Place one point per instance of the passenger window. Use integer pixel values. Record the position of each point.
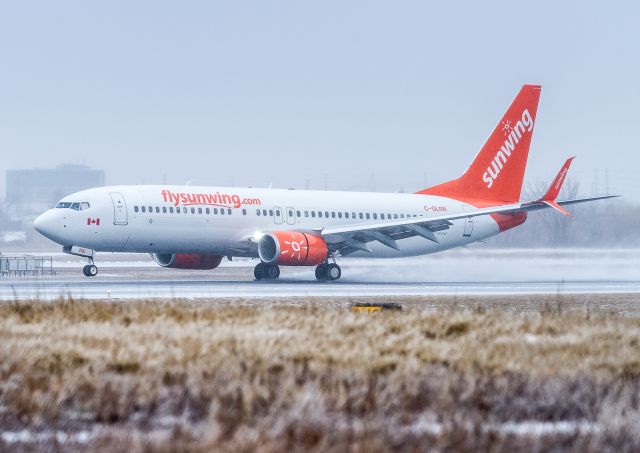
(298, 214)
(244, 211)
(264, 212)
(375, 216)
(290, 213)
(171, 209)
(199, 210)
(277, 212)
(402, 216)
(326, 214)
(135, 209)
(144, 209)
(361, 216)
(319, 213)
(313, 213)
(177, 210)
(207, 210)
(395, 216)
(368, 216)
(339, 214)
(333, 214)
(381, 216)
(306, 213)
(271, 212)
(158, 209)
(353, 215)
(150, 209)
(221, 211)
(229, 211)
(215, 210)
(258, 212)
(164, 209)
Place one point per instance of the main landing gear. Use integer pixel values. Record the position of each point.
(266, 271)
(324, 272)
(328, 271)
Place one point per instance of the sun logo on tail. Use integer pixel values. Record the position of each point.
(506, 127)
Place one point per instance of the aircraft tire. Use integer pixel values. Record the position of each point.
(90, 270)
(259, 271)
(272, 272)
(321, 272)
(333, 272)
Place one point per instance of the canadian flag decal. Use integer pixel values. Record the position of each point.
(91, 221)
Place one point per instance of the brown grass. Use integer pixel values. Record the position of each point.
(172, 375)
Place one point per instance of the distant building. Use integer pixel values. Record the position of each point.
(30, 192)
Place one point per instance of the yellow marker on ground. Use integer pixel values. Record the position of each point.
(374, 307)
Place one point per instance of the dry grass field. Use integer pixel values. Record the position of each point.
(201, 376)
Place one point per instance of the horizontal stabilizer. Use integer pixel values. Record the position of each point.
(557, 207)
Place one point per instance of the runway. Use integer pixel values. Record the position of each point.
(197, 289)
(470, 271)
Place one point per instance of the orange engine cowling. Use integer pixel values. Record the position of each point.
(187, 260)
(292, 248)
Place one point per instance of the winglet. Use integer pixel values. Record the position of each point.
(553, 191)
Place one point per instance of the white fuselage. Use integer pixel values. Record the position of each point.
(222, 220)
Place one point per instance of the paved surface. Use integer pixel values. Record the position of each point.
(459, 272)
(129, 288)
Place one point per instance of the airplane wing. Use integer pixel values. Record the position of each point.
(351, 238)
(348, 239)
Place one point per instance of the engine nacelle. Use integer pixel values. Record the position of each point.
(187, 260)
(292, 248)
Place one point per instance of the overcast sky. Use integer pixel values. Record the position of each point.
(384, 95)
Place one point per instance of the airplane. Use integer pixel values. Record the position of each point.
(189, 227)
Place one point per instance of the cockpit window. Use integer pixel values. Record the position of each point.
(71, 205)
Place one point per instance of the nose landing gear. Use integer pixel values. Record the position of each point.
(90, 270)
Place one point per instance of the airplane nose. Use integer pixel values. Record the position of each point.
(45, 224)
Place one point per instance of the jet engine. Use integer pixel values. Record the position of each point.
(292, 248)
(187, 260)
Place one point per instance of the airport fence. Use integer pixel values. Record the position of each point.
(25, 266)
